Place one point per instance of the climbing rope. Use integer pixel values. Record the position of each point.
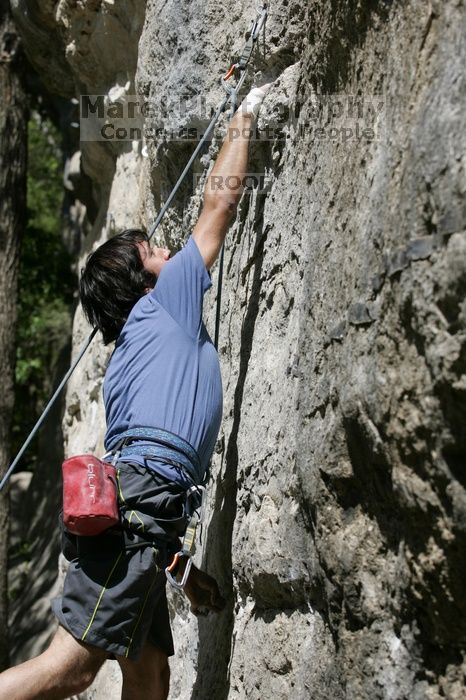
(239, 69)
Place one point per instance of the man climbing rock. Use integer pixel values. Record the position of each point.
(164, 379)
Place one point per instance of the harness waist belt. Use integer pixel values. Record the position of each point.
(166, 446)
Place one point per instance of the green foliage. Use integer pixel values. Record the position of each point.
(22, 551)
(46, 283)
(19, 559)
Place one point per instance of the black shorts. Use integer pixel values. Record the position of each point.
(114, 591)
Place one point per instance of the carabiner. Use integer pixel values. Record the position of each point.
(168, 571)
(259, 22)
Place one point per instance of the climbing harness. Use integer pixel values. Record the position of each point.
(239, 69)
(155, 443)
(163, 444)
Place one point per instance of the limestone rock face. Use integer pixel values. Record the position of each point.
(337, 512)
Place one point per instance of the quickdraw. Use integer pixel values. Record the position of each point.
(188, 548)
(256, 26)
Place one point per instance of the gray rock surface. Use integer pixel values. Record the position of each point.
(337, 513)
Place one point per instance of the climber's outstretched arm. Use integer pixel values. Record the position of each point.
(223, 188)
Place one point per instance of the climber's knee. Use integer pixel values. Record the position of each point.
(74, 663)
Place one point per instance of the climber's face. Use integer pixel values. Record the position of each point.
(153, 259)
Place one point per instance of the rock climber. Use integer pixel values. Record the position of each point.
(163, 374)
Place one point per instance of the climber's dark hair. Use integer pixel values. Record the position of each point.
(112, 281)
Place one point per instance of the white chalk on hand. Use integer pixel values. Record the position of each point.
(253, 100)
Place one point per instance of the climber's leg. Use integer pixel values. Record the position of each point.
(66, 668)
(147, 678)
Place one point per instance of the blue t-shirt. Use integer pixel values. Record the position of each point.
(164, 371)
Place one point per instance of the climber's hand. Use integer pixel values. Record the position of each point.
(253, 100)
(203, 593)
